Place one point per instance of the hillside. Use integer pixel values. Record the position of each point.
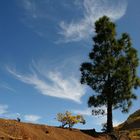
(13, 130)
(132, 125)
(133, 122)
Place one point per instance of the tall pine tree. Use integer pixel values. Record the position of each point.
(111, 70)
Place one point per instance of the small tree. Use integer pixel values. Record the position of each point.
(68, 119)
(111, 71)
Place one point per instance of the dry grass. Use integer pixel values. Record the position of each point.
(13, 130)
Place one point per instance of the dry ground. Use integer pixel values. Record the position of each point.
(13, 130)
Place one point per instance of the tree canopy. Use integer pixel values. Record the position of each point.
(112, 69)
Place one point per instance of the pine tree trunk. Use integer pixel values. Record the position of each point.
(109, 117)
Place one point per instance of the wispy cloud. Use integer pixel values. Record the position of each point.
(52, 83)
(7, 87)
(85, 112)
(3, 109)
(34, 10)
(31, 118)
(30, 6)
(92, 10)
(45, 18)
(39, 16)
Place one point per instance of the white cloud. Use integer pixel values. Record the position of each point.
(86, 112)
(43, 16)
(3, 109)
(93, 9)
(31, 118)
(52, 83)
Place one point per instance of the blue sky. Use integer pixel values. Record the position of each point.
(42, 44)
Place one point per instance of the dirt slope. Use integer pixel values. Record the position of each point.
(132, 125)
(133, 122)
(13, 130)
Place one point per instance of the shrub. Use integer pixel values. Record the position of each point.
(67, 119)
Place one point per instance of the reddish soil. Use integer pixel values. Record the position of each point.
(14, 130)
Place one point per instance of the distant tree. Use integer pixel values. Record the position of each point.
(68, 119)
(111, 70)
